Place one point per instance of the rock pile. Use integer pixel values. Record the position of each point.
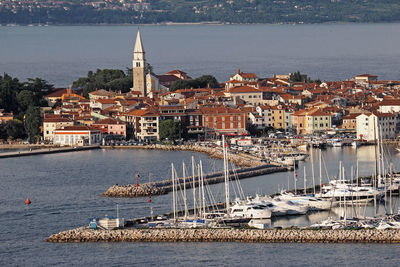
(228, 235)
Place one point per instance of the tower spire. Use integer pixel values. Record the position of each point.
(138, 44)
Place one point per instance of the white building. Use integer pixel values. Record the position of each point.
(76, 135)
(370, 126)
(389, 106)
(51, 124)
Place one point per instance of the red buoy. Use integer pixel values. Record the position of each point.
(28, 201)
(149, 199)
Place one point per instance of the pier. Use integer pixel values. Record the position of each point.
(165, 186)
(228, 235)
(49, 150)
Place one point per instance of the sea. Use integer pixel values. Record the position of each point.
(61, 54)
(65, 192)
(65, 188)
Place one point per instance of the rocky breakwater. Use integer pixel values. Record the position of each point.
(165, 186)
(131, 190)
(228, 235)
(240, 159)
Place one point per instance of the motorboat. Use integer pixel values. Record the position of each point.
(311, 202)
(345, 191)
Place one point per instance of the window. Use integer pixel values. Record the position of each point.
(138, 64)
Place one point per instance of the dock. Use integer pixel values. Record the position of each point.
(49, 150)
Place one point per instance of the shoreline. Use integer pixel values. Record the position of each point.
(203, 23)
(84, 235)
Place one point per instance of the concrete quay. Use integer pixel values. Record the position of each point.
(49, 150)
(165, 186)
(227, 235)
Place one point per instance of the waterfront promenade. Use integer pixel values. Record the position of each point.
(228, 235)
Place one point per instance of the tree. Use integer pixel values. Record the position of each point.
(32, 122)
(9, 87)
(200, 82)
(25, 99)
(169, 129)
(111, 79)
(14, 129)
(38, 86)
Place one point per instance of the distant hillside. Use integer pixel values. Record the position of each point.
(180, 11)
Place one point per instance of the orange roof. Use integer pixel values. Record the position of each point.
(244, 89)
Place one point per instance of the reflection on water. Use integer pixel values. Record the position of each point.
(352, 211)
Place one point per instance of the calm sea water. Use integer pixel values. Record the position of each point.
(65, 191)
(329, 52)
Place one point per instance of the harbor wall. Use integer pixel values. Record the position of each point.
(50, 150)
(239, 159)
(165, 186)
(228, 235)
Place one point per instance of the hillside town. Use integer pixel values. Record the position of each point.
(246, 104)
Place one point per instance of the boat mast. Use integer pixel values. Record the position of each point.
(312, 171)
(184, 188)
(320, 171)
(202, 190)
(226, 174)
(194, 189)
(199, 185)
(294, 177)
(173, 191)
(305, 182)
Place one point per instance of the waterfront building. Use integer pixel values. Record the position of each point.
(145, 123)
(76, 135)
(317, 121)
(53, 123)
(350, 121)
(299, 121)
(223, 120)
(138, 65)
(111, 127)
(372, 125)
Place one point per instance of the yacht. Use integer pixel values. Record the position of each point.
(250, 210)
(313, 203)
(343, 190)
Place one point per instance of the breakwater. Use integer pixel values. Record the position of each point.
(50, 150)
(228, 235)
(239, 159)
(165, 186)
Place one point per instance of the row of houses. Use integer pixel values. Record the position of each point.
(243, 102)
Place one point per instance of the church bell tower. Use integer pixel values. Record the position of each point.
(138, 65)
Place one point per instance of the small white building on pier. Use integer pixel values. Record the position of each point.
(76, 135)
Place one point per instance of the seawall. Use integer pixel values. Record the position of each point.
(165, 186)
(50, 150)
(228, 235)
(240, 159)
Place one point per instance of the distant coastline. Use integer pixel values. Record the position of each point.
(204, 23)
